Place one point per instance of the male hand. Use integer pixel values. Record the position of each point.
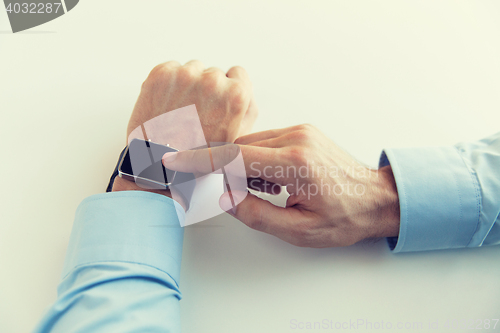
(334, 200)
(224, 101)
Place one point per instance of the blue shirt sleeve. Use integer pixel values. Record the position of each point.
(449, 197)
(121, 272)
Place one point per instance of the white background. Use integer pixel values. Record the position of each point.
(369, 74)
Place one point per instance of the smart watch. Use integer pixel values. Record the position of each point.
(141, 162)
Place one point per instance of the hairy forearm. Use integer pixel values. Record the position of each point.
(386, 208)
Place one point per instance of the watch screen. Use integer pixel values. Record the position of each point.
(143, 161)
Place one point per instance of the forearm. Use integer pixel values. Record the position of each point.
(114, 297)
(448, 195)
(385, 208)
(122, 266)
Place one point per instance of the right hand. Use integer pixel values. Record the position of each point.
(334, 200)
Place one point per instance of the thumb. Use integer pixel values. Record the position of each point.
(262, 215)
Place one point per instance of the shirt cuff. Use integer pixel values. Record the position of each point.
(129, 226)
(439, 198)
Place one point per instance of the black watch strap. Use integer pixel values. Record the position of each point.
(115, 172)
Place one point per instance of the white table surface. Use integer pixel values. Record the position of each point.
(369, 74)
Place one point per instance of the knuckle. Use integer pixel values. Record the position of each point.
(163, 68)
(298, 155)
(212, 70)
(186, 73)
(303, 135)
(200, 160)
(254, 223)
(255, 220)
(211, 79)
(238, 95)
(238, 69)
(306, 127)
(195, 62)
(159, 73)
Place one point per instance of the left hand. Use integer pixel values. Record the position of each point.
(224, 101)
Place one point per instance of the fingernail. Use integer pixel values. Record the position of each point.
(225, 203)
(169, 157)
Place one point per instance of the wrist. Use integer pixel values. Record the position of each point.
(118, 184)
(385, 212)
(121, 184)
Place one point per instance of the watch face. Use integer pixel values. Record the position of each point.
(142, 162)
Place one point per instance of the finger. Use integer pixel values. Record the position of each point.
(261, 185)
(279, 142)
(259, 162)
(196, 65)
(269, 164)
(170, 64)
(161, 69)
(262, 215)
(214, 70)
(215, 73)
(238, 72)
(260, 136)
(266, 135)
(201, 161)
